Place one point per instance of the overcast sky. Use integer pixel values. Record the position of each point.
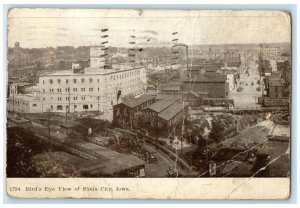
(44, 28)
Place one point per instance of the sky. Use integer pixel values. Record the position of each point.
(38, 28)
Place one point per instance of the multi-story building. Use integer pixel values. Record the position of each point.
(208, 84)
(92, 89)
(270, 53)
(232, 59)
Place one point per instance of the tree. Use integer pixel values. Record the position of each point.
(22, 144)
(217, 129)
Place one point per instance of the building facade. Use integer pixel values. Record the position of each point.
(208, 84)
(232, 59)
(270, 52)
(124, 112)
(92, 89)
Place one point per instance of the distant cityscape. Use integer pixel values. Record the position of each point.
(178, 111)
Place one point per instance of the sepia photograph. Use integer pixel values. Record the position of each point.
(150, 94)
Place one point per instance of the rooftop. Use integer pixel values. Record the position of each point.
(104, 166)
(137, 101)
(275, 83)
(168, 97)
(207, 78)
(281, 130)
(113, 165)
(89, 71)
(21, 84)
(172, 88)
(160, 105)
(172, 111)
(26, 97)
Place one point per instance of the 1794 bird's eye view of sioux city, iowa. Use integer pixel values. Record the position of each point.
(162, 96)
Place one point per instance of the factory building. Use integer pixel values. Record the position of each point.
(96, 88)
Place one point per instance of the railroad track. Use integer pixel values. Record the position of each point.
(165, 155)
(86, 153)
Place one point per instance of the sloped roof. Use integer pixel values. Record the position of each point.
(168, 97)
(113, 165)
(137, 101)
(172, 111)
(207, 77)
(160, 105)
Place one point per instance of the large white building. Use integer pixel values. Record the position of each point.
(270, 53)
(92, 89)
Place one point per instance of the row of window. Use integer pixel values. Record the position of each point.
(67, 98)
(22, 103)
(124, 75)
(90, 80)
(74, 89)
(59, 81)
(60, 107)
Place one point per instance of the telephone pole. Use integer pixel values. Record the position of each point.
(49, 135)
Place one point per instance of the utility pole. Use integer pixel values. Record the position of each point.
(66, 114)
(49, 136)
(69, 99)
(98, 106)
(187, 59)
(13, 102)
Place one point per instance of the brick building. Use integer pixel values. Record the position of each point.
(125, 111)
(209, 84)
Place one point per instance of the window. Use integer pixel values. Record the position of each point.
(98, 80)
(58, 81)
(74, 81)
(43, 90)
(51, 81)
(91, 106)
(75, 106)
(82, 89)
(98, 89)
(75, 98)
(91, 89)
(91, 80)
(58, 90)
(74, 89)
(43, 82)
(51, 107)
(85, 107)
(67, 81)
(59, 98)
(82, 98)
(67, 98)
(59, 107)
(34, 105)
(82, 80)
(67, 89)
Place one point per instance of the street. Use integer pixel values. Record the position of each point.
(249, 95)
